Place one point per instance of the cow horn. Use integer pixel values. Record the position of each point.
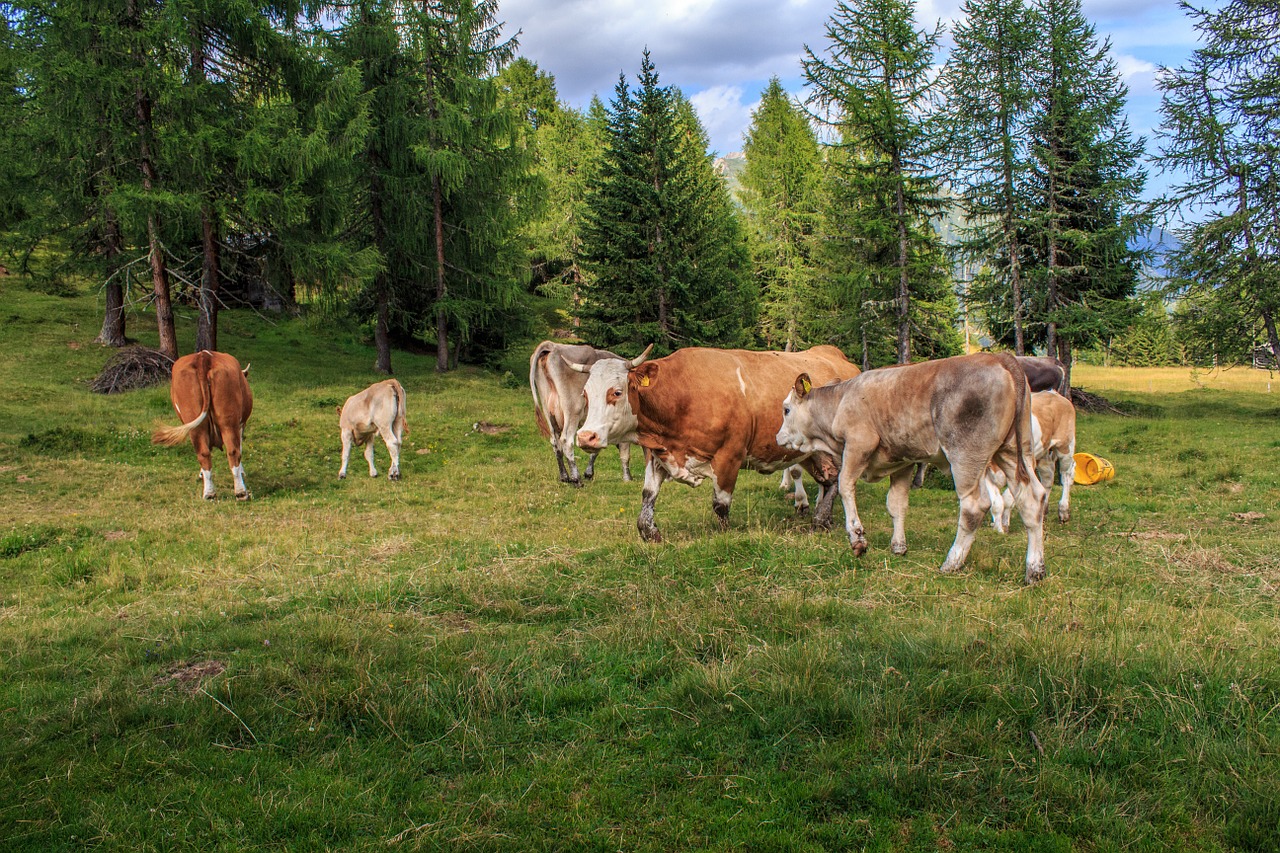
(636, 362)
(581, 368)
(246, 368)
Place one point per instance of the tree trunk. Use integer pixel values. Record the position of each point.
(442, 319)
(904, 292)
(207, 325)
(382, 329)
(113, 318)
(1065, 356)
(1269, 321)
(155, 248)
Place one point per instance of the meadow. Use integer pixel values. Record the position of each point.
(478, 657)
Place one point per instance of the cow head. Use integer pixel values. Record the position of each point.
(610, 418)
(798, 429)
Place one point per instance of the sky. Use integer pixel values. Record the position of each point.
(722, 53)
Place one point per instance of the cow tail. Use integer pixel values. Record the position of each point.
(171, 436)
(538, 355)
(1020, 384)
(402, 413)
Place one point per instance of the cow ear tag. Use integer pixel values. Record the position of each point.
(644, 380)
(806, 384)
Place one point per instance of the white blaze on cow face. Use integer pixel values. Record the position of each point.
(610, 419)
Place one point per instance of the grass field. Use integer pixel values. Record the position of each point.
(479, 658)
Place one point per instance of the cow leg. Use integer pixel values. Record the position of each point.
(233, 434)
(825, 473)
(590, 473)
(566, 447)
(654, 474)
(854, 463)
(1001, 505)
(368, 456)
(346, 453)
(974, 505)
(392, 441)
(200, 440)
(899, 491)
(1066, 476)
(1032, 500)
(724, 478)
(921, 470)
(793, 478)
(624, 454)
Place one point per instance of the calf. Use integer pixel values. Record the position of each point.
(560, 404)
(378, 409)
(1053, 443)
(963, 412)
(211, 394)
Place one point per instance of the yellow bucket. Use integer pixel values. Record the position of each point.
(1092, 469)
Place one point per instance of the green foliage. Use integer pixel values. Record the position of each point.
(874, 87)
(666, 256)
(1218, 135)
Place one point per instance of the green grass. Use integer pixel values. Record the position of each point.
(478, 657)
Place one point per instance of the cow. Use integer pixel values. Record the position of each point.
(211, 395)
(560, 406)
(1053, 444)
(701, 413)
(377, 410)
(1044, 373)
(963, 412)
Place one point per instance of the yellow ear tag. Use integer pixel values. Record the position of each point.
(806, 384)
(644, 381)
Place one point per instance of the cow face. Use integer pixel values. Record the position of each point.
(610, 419)
(797, 431)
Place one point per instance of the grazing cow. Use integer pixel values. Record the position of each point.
(1053, 443)
(377, 410)
(211, 394)
(963, 412)
(560, 406)
(702, 413)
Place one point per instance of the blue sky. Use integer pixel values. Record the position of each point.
(721, 53)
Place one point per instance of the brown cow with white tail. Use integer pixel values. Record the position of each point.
(211, 394)
(964, 413)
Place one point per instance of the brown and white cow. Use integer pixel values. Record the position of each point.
(1053, 444)
(211, 394)
(560, 406)
(702, 414)
(963, 412)
(377, 410)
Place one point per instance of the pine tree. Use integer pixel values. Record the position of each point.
(664, 254)
(874, 87)
(780, 186)
(989, 83)
(1085, 187)
(1219, 129)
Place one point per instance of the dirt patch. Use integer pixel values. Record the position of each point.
(1247, 517)
(190, 677)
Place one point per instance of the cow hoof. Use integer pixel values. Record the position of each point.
(898, 549)
(243, 496)
(589, 476)
(342, 475)
(1064, 516)
(859, 547)
(209, 496)
(949, 567)
(650, 535)
(394, 475)
(373, 474)
(1035, 574)
(802, 511)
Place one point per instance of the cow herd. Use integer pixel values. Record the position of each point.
(997, 423)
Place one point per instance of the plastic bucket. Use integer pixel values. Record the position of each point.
(1092, 469)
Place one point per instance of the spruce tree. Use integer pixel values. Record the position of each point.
(989, 83)
(1085, 187)
(780, 185)
(1219, 131)
(873, 86)
(665, 257)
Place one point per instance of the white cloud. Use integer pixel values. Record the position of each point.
(724, 114)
